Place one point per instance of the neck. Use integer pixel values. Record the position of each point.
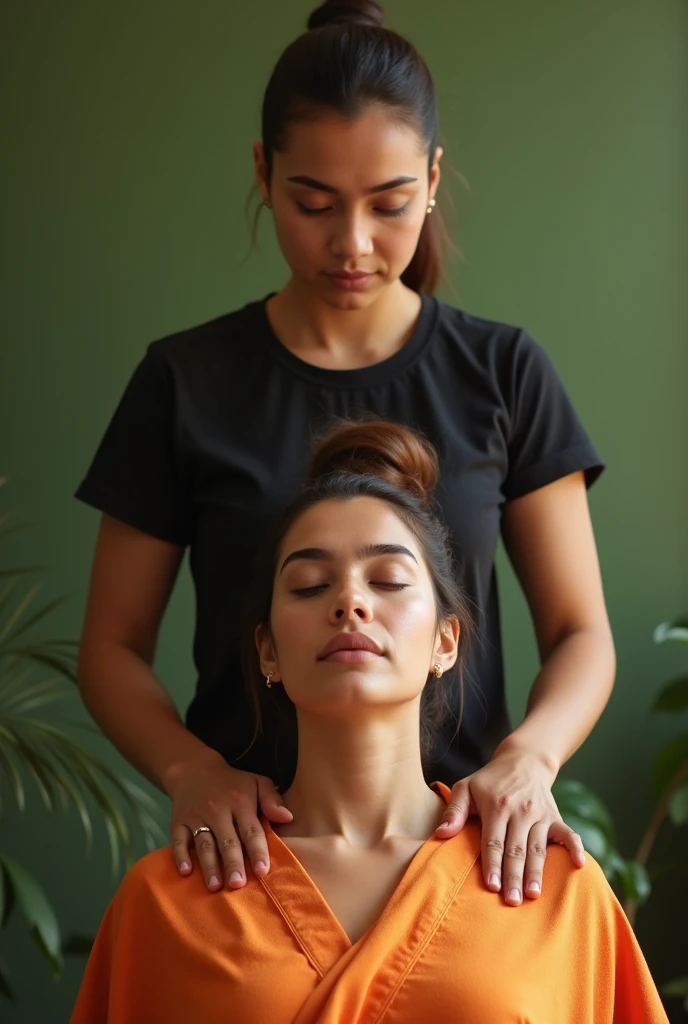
(362, 780)
(314, 329)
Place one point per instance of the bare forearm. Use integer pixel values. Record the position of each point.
(567, 698)
(136, 712)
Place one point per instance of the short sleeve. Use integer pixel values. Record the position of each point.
(546, 439)
(136, 474)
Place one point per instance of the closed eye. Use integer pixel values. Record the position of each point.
(314, 211)
(309, 591)
(320, 587)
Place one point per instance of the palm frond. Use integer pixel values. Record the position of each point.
(49, 654)
(64, 770)
(9, 767)
(15, 627)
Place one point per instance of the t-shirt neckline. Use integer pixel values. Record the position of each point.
(362, 377)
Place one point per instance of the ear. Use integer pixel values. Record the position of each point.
(435, 174)
(447, 642)
(260, 170)
(267, 653)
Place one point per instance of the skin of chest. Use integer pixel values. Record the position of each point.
(356, 883)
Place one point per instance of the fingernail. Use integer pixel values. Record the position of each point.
(236, 876)
(260, 867)
(514, 894)
(533, 887)
(183, 866)
(444, 824)
(494, 880)
(214, 880)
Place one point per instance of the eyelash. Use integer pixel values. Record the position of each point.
(315, 212)
(314, 591)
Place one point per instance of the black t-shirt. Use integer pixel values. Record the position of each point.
(211, 440)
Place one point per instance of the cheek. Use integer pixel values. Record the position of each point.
(301, 243)
(412, 625)
(293, 631)
(399, 240)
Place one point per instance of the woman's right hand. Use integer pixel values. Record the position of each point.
(207, 791)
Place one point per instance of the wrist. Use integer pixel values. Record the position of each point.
(515, 745)
(200, 755)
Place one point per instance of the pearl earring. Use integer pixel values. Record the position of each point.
(431, 205)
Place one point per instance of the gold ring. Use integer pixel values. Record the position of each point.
(201, 828)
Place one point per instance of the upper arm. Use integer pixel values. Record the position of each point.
(549, 538)
(132, 578)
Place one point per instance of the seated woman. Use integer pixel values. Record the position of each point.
(364, 916)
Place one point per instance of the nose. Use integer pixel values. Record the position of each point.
(350, 605)
(352, 237)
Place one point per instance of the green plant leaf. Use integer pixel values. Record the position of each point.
(574, 798)
(5, 985)
(6, 592)
(667, 762)
(49, 655)
(31, 759)
(8, 898)
(18, 698)
(635, 880)
(672, 697)
(10, 770)
(594, 839)
(678, 806)
(18, 613)
(13, 682)
(37, 911)
(677, 630)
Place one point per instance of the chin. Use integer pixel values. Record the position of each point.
(344, 300)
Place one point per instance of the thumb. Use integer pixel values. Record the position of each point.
(271, 803)
(457, 812)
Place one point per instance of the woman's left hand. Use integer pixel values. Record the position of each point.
(513, 797)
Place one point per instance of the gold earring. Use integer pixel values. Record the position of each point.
(268, 679)
(438, 670)
(431, 205)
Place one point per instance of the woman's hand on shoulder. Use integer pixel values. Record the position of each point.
(207, 792)
(512, 795)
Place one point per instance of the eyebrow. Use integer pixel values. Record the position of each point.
(367, 551)
(319, 186)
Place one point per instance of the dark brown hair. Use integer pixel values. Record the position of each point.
(377, 459)
(345, 62)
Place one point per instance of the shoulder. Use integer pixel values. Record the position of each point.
(493, 344)
(584, 887)
(223, 337)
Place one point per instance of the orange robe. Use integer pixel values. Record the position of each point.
(444, 949)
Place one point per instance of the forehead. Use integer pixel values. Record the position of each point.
(345, 526)
(352, 152)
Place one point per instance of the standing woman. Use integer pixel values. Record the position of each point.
(211, 439)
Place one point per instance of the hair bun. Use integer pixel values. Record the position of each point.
(390, 451)
(347, 12)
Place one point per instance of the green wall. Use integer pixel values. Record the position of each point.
(129, 129)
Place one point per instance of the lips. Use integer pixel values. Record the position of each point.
(346, 275)
(350, 641)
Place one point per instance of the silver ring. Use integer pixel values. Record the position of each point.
(201, 828)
